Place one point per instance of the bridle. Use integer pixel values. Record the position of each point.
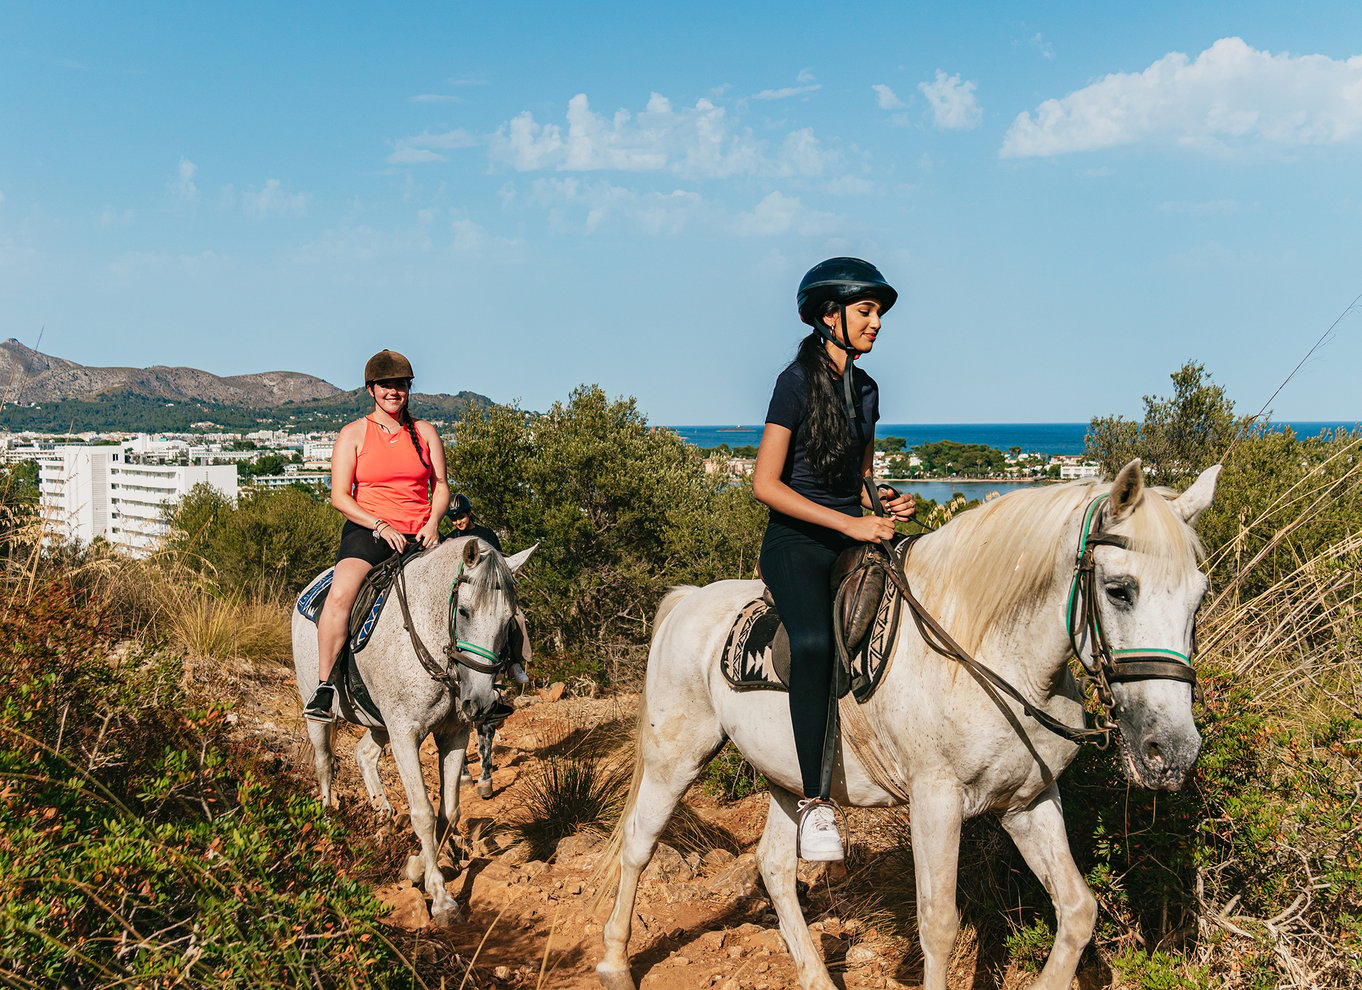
(1105, 666)
(459, 652)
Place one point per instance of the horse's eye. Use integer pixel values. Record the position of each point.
(1121, 595)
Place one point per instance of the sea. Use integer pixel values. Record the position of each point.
(1045, 438)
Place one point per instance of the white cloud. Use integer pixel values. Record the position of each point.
(1231, 94)
(578, 206)
(954, 107)
(1039, 43)
(699, 142)
(778, 214)
(182, 187)
(109, 217)
(787, 91)
(426, 147)
(272, 200)
(887, 98)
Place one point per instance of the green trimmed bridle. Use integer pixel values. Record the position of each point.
(1107, 666)
(461, 651)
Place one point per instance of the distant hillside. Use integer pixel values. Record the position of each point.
(51, 394)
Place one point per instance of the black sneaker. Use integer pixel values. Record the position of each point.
(319, 708)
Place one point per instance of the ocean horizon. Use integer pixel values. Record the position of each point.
(1044, 438)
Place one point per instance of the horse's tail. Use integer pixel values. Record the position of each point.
(607, 872)
(669, 601)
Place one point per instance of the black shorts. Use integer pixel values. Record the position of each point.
(357, 541)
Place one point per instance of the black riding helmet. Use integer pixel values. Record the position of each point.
(459, 506)
(842, 281)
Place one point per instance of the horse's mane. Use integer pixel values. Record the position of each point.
(491, 574)
(986, 565)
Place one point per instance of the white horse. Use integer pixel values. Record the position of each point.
(462, 601)
(998, 579)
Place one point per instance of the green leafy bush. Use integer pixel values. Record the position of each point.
(620, 511)
(140, 845)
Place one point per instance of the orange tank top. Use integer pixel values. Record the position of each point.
(390, 479)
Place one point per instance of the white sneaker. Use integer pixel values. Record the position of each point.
(819, 839)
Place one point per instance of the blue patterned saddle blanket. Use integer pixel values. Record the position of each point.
(362, 621)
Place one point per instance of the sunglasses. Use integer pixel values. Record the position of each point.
(395, 384)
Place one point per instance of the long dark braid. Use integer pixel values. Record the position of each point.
(831, 446)
(404, 417)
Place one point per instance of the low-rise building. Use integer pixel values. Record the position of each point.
(103, 491)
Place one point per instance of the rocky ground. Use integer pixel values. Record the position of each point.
(702, 918)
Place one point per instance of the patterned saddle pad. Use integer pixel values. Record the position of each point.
(363, 618)
(756, 654)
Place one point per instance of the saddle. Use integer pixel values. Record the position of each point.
(866, 607)
(369, 602)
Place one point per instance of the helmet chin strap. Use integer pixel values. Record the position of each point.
(845, 345)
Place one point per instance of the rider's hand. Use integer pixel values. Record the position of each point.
(901, 507)
(869, 529)
(429, 536)
(389, 535)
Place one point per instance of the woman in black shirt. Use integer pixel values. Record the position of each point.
(818, 444)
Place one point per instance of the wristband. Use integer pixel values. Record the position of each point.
(377, 526)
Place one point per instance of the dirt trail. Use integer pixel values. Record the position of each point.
(701, 920)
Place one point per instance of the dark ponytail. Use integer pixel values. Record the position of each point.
(829, 440)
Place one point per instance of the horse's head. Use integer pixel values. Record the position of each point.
(482, 614)
(1140, 602)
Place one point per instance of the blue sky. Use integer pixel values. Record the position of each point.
(1072, 200)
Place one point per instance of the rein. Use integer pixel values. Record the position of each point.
(1109, 666)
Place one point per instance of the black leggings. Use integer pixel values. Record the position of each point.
(796, 563)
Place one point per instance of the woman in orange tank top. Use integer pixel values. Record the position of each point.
(388, 480)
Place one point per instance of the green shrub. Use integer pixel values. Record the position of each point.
(731, 777)
(620, 511)
(267, 547)
(141, 845)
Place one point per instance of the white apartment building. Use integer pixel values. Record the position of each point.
(95, 491)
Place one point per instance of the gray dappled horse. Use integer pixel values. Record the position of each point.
(999, 579)
(462, 600)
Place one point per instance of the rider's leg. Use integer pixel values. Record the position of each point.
(796, 566)
(333, 625)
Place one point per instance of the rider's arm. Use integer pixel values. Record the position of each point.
(439, 488)
(772, 492)
(343, 457)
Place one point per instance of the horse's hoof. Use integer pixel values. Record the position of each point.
(484, 789)
(450, 916)
(415, 869)
(465, 778)
(613, 979)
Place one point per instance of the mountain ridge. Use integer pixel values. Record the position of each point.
(45, 393)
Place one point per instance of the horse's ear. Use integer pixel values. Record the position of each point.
(1127, 489)
(517, 561)
(1194, 500)
(470, 553)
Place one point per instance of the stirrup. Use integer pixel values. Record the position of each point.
(318, 711)
(804, 807)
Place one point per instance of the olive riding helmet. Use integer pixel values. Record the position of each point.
(385, 365)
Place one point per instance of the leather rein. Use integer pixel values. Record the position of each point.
(1105, 665)
(459, 652)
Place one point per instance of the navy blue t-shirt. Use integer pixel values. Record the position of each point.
(789, 403)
